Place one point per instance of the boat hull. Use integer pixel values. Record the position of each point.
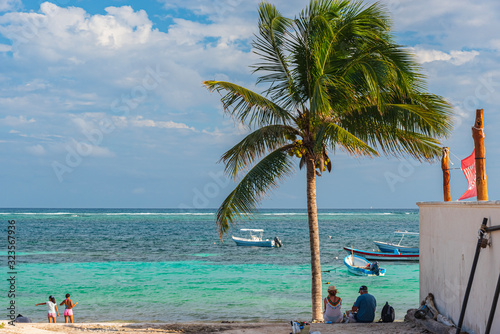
(253, 243)
(357, 265)
(381, 256)
(386, 247)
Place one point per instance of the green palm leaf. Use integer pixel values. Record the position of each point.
(271, 46)
(263, 177)
(332, 135)
(248, 107)
(254, 146)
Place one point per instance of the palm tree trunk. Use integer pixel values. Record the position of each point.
(312, 215)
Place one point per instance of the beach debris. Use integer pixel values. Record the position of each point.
(444, 320)
(429, 302)
(300, 327)
(429, 324)
(422, 312)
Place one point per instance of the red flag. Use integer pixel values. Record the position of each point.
(469, 169)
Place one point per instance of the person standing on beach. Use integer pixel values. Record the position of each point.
(68, 311)
(364, 306)
(52, 309)
(332, 305)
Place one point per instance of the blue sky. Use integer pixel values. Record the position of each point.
(101, 103)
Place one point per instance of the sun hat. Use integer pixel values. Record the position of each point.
(363, 288)
(332, 288)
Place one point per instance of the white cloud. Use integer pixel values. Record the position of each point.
(6, 5)
(87, 123)
(68, 68)
(140, 122)
(189, 32)
(36, 150)
(495, 44)
(454, 57)
(96, 59)
(74, 37)
(462, 57)
(55, 29)
(84, 149)
(451, 24)
(33, 85)
(16, 121)
(5, 48)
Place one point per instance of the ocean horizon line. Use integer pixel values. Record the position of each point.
(151, 208)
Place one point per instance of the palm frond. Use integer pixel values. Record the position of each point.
(401, 129)
(332, 135)
(248, 107)
(262, 178)
(402, 142)
(433, 121)
(320, 100)
(271, 46)
(254, 146)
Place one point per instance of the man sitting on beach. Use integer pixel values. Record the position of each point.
(364, 307)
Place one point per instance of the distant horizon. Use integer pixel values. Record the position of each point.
(136, 208)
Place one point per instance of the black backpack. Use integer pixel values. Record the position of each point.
(388, 314)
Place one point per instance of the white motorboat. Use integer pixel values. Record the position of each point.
(256, 240)
(360, 266)
(391, 247)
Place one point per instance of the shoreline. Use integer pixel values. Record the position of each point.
(397, 327)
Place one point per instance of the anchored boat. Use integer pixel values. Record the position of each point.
(256, 240)
(383, 256)
(391, 247)
(360, 266)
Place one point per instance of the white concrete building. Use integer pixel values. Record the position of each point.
(448, 239)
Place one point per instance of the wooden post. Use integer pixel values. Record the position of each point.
(478, 136)
(445, 166)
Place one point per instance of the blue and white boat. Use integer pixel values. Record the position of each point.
(391, 247)
(256, 240)
(382, 256)
(360, 266)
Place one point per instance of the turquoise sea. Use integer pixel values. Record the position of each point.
(169, 265)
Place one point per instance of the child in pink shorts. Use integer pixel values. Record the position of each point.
(68, 311)
(52, 309)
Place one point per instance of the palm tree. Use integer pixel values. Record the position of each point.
(334, 79)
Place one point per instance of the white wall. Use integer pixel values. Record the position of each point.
(448, 239)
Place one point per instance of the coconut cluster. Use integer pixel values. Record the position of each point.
(298, 149)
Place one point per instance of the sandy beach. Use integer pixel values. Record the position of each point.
(227, 328)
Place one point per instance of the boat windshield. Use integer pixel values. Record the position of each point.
(255, 234)
(403, 233)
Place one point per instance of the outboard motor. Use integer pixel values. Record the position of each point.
(374, 267)
(277, 242)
